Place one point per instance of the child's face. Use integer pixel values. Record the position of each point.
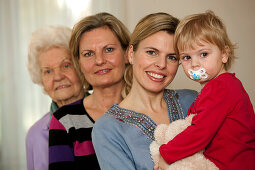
(204, 55)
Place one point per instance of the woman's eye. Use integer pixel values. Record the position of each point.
(108, 50)
(47, 71)
(150, 52)
(172, 57)
(204, 54)
(88, 54)
(66, 65)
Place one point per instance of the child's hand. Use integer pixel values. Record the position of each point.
(156, 167)
(162, 165)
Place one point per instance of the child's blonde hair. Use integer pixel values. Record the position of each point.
(205, 27)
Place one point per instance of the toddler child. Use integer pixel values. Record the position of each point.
(224, 121)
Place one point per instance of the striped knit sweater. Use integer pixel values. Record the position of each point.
(70, 144)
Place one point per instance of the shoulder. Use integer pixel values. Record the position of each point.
(183, 98)
(187, 93)
(107, 120)
(227, 81)
(75, 109)
(183, 94)
(107, 129)
(36, 129)
(225, 86)
(110, 123)
(121, 123)
(72, 116)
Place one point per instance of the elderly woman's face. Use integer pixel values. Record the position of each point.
(154, 62)
(59, 78)
(102, 58)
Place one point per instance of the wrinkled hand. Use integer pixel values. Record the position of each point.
(162, 164)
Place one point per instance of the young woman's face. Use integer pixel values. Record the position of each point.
(204, 55)
(102, 59)
(59, 78)
(154, 62)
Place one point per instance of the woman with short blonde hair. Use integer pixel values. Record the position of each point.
(98, 46)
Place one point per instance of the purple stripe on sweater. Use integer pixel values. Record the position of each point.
(60, 153)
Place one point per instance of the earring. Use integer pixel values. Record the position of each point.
(131, 59)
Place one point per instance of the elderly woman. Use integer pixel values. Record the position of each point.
(122, 136)
(50, 65)
(98, 44)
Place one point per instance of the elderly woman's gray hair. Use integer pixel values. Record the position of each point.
(41, 41)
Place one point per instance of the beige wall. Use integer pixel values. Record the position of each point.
(238, 15)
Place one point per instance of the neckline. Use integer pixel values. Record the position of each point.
(93, 121)
(127, 111)
(142, 120)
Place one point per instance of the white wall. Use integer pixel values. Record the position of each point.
(238, 16)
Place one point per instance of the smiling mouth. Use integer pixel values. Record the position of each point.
(156, 76)
(62, 87)
(103, 71)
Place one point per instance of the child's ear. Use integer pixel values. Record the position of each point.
(131, 54)
(225, 54)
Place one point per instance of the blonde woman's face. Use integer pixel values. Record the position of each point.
(154, 62)
(59, 78)
(102, 59)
